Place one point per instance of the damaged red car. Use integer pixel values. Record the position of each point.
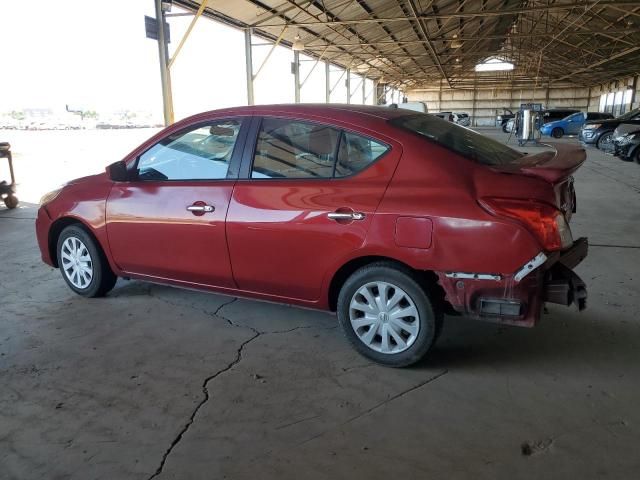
(388, 217)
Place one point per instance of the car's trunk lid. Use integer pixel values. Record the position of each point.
(555, 167)
(552, 166)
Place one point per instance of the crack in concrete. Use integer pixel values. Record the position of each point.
(205, 390)
(604, 245)
(205, 384)
(379, 405)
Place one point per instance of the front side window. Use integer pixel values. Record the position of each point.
(203, 153)
(357, 153)
(461, 140)
(294, 149)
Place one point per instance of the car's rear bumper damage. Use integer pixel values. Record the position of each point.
(518, 298)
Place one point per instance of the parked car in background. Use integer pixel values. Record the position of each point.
(553, 114)
(503, 118)
(389, 217)
(627, 145)
(415, 106)
(461, 118)
(448, 116)
(600, 132)
(571, 124)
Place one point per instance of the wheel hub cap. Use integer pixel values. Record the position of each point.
(384, 317)
(77, 263)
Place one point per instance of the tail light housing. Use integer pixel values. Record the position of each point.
(545, 221)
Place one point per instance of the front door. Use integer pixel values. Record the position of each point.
(308, 201)
(169, 220)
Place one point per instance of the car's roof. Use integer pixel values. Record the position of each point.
(319, 110)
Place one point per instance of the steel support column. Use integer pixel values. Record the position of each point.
(364, 95)
(249, 65)
(296, 75)
(327, 82)
(165, 75)
(348, 85)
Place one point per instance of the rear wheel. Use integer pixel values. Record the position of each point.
(83, 264)
(387, 315)
(605, 142)
(504, 127)
(557, 132)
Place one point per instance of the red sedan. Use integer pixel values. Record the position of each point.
(389, 217)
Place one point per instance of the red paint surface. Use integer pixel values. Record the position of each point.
(272, 238)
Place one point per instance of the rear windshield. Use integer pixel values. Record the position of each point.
(461, 140)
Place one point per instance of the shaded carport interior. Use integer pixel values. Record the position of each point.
(158, 382)
(565, 50)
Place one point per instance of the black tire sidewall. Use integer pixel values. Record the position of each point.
(96, 286)
(599, 143)
(557, 132)
(429, 317)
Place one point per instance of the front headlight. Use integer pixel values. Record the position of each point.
(47, 197)
(592, 126)
(625, 139)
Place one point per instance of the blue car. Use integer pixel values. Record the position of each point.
(572, 124)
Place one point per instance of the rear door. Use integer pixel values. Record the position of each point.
(306, 201)
(168, 220)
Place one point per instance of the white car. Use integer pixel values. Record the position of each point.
(461, 118)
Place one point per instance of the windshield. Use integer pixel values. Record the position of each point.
(629, 115)
(461, 140)
(574, 117)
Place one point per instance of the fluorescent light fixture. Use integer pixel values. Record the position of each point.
(494, 65)
(297, 45)
(455, 43)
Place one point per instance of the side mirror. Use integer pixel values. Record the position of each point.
(118, 171)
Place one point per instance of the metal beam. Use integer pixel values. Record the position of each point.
(188, 32)
(601, 62)
(165, 75)
(248, 56)
(296, 75)
(477, 13)
(327, 82)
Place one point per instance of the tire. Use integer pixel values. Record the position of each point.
(637, 155)
(11, 201)
(504, 127)
(77, 251)
(557, 132)
(416, 333)
(604, 142)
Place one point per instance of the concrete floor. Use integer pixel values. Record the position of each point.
(158, 382)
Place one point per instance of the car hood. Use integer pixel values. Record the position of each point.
(99, 177)
(626, 127)
(612, 122)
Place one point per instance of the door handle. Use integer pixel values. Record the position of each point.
(346, 215)
(201, 208)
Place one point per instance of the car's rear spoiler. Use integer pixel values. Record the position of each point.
(552, 166)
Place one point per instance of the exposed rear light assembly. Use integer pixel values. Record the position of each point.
(545, 221)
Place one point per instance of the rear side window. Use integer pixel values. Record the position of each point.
(294, 149)
(357, 153)
(461, 140)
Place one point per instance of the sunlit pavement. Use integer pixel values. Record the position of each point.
(190, 385)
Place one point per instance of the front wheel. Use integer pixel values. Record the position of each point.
(387, 315)
(504, 128)
(83, 264)
(605, 142)
(557, 132)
